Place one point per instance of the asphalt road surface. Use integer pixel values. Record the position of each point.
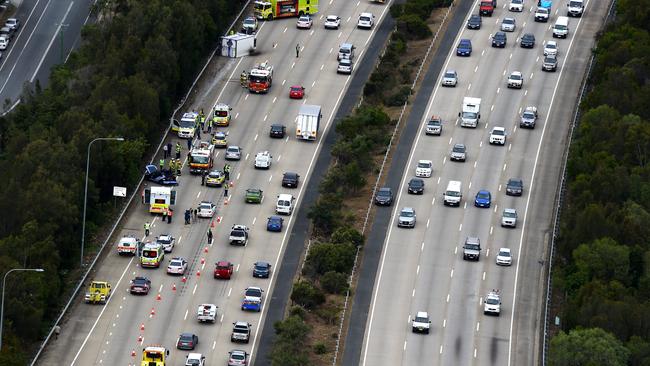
(109, 334)
(422, 269)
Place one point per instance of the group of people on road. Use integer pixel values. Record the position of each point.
(191, 215)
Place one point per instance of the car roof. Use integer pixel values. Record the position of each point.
(484, 191)
(186, 334)
(422, 314)
(290, 174)
(407, 209)
(511, 210)
(332, 16)
(498, 128)
(505, 250)
(465, 40)
(262, 263)
(425, 162)
(223, 263)
(385, 189)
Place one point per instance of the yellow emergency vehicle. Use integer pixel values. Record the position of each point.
(270, 9)
(152, 255)
(221, 114)
(154, 356)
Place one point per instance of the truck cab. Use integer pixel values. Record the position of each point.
(154, 356)
(201, 158)
(98, 292)
(487, 7)
(470, 114)
(152, 255)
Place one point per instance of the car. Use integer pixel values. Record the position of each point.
(207, 313)
(290, 179)
(223, 270)
(516, 5)
(515, 80)
(421, 323)
(177, 265)
(550, 48)
(492, 303)
(6, 31)
(220, 139)
(206, 209)
(407, 217)
(304, 22)
(296, 92)
(261, 269)
(249, 25)
(424, 168)
(164, 177)
(346, 50)
(195, 359)
(233, 153)
(128, 244)
(254, 195)
(504, 257)
(434, 126)
(241, 332)
(140, 285)
(509, 218)
(458, 152)
(416, 186)
(274, 223)
(542, 14)
(464, 47)
(483, 199)
(527, 40)
(384, 197)
(474, 22)
(167, 242)
(332, 22)
(366, 20)
(237, 357)
(472, 248)
(450, 78)
(215, 178)
(498, 136)
(515, 187)
(13, 23)
(187, 341)
(528, 118)
(252, 299)
(508, 24)
(499, 39)
(549, 63)
(263, 160)
(344, 67)
(277, 130)
(238, 235)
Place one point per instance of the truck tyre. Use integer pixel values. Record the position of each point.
(270, 17)
(301, 13)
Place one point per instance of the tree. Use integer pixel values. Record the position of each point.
(325, 214)
(325, 257)
(307, 295)
(587, 347)
(603, 259)
(334, 282)
(347, 234)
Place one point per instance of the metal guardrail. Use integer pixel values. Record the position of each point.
(559, 202)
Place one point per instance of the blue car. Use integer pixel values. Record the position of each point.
(252, 299)
(545, 4)
(165, 177)
(274, 223)
(483, 199)
(464, 47)
(262, 269)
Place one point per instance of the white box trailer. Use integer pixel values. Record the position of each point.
(308, 122)
(471, 112)
(238, 45)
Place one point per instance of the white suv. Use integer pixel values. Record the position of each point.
(550, 48)
(498, 136)
(492, 303)
(424, 169)
(263, 160)
(366, 20)
(421, 323)
(516, 5)
(4, 42)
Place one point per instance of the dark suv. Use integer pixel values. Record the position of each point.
(515, 187)
(277, 130)
(290, 180)
(474, 22)
(384, 197)
(528, 40)
(472, 248)
(499, 40)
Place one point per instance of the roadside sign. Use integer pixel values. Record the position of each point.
(119, 191)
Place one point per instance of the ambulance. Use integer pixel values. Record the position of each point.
(159, 198)
(221, 114)
(152, 255)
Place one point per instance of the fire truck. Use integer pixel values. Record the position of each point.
(271, 9)
(154, 356)
(201, 157)
(260, 78)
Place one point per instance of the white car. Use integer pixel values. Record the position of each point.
(233, 153)
(516, 5)
(263, 160)
(177, 265)
(167, 242)
(492, 303)
(304, 22)
(550, 48)
(516, 80)
(13, 23)
(332, 22)
(542, 14)
(450, 78)
(421, 323)
(344, 67)
(195, 359)
(366, 20)
(4, 42)
(206, 209)
(509, 218)
(508, 24)
(504, 257)
(424, 169)
(207, 313)
(250, 24)
(498, 136)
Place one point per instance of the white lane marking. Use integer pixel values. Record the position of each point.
(460, 228)
(229, 291)
(255, 139)
(441, 349)
(478, 326)
(238, 175)
(504, 166)
(237, 268)
(265, 117)
(279, 157)
(322, 67)
(417, 270)
(491, 229)
(451, 275)
(160, 288)
(187, 311)
(422, 247)
(198, 194)
(475, 162)
(214, 344)
(274, 99)
(221, 319)
(447, 297)
(444, 323)
(476, 68)
(413, 293)
(254, 219)
(483, 276)
(284, 81)
(474, 352)
(195, 286)
(404, 345)
(270, 177)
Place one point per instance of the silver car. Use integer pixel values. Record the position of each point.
(450, 78)
(509, 218)
(406, 217)
(233, 153)
(458, 152)
(508, 24)
(504, 257)
(345, 67)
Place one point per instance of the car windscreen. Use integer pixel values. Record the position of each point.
(492, 301)
(253, 293)
(452, 194)
(406, 214)
(200, 159)
(261, 267)
(424, 165)
(421, 320)
(187, 123)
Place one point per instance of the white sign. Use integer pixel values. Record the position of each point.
(119, 191)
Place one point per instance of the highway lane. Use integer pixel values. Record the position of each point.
(437, 279)
(37, 47)
(117, 329)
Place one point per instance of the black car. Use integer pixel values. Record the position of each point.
(290, 180)
(515, 187)
(262, 269)
(165, 177)
(416, 186)
(528, 40)
(187, 341)
(499, 40)
(550, 63)
(384, 196)
(277, 130)
(474, 22)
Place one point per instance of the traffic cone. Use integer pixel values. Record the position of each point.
(205, 250)
(158, 297)
(139, 339)
(133, 353)
(225, 202)
(212, 222)
(173, 287)
(198, 273)
(231, 184)
(184, 279)
(153, 311)
(142, 327)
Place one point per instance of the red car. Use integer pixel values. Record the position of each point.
(223, 270)
(296, 92)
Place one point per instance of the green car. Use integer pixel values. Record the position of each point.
(254, 195)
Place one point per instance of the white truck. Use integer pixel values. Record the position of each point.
(575, 8)
(207, 313)
(159, 198)
(308, 122)
(471, 112)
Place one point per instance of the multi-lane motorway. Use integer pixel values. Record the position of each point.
(422, 269)
(109, 334)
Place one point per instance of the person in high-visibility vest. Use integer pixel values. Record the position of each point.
(162, 164)
(147, 226)
(178, 150)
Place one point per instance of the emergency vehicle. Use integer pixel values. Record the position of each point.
(284, 8)
(154, 355)
(128, 245)
(186, 127)
(152, 255)
(159, 198)
(201, 157)
(260, 78)
(221, 114)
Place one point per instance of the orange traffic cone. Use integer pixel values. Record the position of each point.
(140, 339)
(218, 220)
(202, 260)
(132, 353)
(173, 287)
(225, 202)
(184, 279)
(142, 326)
(158, 297)
(198, 273)
(153, 311)
(205, 250)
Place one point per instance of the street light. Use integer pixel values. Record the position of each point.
(83, 225)
(2, 306)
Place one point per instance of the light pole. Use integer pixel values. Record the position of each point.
(2, 305)
(83, 225)
(61, 26)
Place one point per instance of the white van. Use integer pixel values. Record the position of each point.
(453, 194)
(284, 205)
(561, 27)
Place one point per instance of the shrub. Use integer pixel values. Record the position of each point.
(413, 27)
(334, 282)
(399, 98)
(325, 257)
(329, 314)
(325, 214)
(352, 178)
(307, 295)
(320, 348)
(298, 311)
(348, 234)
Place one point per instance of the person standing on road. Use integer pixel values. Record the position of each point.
(147, 226)
(164, 215)
(169, 149)
(297, 50)
(209, 236)
(170, 212)
(196, 214)
(161, 164)
(57, 331)
(165, 152)
(189, 144)
(226, 171)
(225, 189)
(178, 150)
(203, 177)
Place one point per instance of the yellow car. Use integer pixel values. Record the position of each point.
(220, 139)
(215, 178)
